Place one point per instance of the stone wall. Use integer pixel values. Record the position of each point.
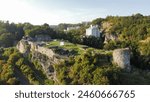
(46, 57)
(43, 50)
(25, 47)
(122, 58)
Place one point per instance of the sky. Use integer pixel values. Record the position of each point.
(54, 12)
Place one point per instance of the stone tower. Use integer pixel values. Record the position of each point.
(121, 57)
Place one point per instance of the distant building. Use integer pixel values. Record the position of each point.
(93, 31)
(72, 28)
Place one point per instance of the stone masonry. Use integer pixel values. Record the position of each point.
(121, 57)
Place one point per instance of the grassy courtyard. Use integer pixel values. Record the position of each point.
(67, 46)
(80, 49)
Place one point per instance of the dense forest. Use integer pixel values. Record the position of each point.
(14, 67)
(17, 69)
(95, 69)
(90, 68)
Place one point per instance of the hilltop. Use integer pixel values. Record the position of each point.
(45, 55)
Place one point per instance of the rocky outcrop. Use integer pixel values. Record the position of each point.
(46, 63)
(109, 37)
(45, 56)
(122, 58)
(23, 47)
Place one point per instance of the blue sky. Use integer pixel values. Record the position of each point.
(68, 11)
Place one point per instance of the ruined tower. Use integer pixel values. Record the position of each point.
(121, 57)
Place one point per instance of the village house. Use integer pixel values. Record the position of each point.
(93, 31)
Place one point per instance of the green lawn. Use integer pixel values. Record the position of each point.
(76, 47)
(67, 45)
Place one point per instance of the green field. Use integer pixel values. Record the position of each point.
(77, 47)
(67, 46)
